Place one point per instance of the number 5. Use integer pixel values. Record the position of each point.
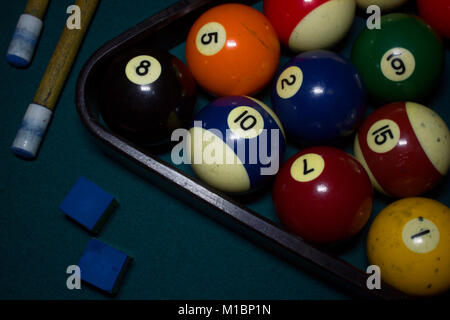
(207, 38)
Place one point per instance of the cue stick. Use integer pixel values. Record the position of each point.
(40, 111)
(27, 33)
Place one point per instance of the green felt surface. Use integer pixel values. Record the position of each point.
(178, 252)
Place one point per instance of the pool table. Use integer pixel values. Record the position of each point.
(178, 252)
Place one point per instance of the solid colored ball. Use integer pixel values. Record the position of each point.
(405, 148)
(437, 14)
(304, 25)
(323, 194)
(145, 94)
(236, 144)
(232, 49)
(409, 241)
(383, 4)
(401, 61)
(319, 96)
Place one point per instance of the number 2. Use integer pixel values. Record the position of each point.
(286, 81)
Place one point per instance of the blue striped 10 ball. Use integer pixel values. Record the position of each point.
(236, 144)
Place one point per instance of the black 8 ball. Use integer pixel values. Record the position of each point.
(145, 94)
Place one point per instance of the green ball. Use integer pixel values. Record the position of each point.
(402, 61)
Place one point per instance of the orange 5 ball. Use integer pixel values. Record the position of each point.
(232, 49)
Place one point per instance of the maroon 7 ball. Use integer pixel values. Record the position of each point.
(145, 94)
(323, 194)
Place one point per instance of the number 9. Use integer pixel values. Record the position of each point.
(397, 64)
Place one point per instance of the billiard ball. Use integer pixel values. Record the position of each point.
(319, 96)
(401, 61)
(145, 94)
(409, 242)
(236, 144)
(437, 14)
(405, 148)
(382, 4)
(323, 194)
(232, 49)
(304, 25)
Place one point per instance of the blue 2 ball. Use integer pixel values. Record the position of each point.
(319, 97)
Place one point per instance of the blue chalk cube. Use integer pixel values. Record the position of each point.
(103, 266)
(88, 204)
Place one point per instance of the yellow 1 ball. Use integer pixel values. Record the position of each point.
(409, 241)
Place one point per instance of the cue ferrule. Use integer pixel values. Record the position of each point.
(32, 130)
(39, 113)
(27, 33)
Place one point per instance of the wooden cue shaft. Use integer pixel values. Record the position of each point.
(63, 57)
(37, 8)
